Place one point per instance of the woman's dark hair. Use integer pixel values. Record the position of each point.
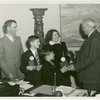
(30, 39)
(6, 24)
(49, 35)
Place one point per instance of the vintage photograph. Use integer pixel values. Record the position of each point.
(49, 50)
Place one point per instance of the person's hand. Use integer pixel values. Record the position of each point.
(38, 67)
(71, 68)
(30, 68)
(63, 69)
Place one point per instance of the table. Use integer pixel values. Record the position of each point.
(47, 90)
(67, 91)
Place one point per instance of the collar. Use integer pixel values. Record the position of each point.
(33, 51)
(10, 38)
(52, 42)
(91, 32)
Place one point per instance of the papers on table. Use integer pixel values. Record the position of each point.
(23, 84)
(65, 90)
(71, 92)
(44, 89)
(26, 86)
(11, 83)
(97, 95)
(28, 94)
(78, 93)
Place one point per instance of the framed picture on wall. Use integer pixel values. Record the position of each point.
(71, 17)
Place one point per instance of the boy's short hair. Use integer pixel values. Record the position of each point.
(46, 53)
(30, 39)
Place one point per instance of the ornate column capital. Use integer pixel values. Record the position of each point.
(38, 14)
(38, 11)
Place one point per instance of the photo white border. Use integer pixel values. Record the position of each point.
(50, 2)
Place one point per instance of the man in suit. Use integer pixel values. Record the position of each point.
(10, 51)
(88, 59)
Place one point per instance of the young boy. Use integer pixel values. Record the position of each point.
(31, 62)
(49, 69)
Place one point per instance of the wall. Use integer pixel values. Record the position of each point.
(24, 17)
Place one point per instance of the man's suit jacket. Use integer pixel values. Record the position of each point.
(88, 62)
(10, 57)
(34, 77)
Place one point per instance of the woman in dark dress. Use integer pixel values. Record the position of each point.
(50, 73)
(52, 42)
(31, 62)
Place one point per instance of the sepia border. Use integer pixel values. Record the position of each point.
(51, 2)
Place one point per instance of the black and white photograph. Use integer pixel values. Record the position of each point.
(49, 49)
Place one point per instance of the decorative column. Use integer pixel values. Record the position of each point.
(38, 14)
